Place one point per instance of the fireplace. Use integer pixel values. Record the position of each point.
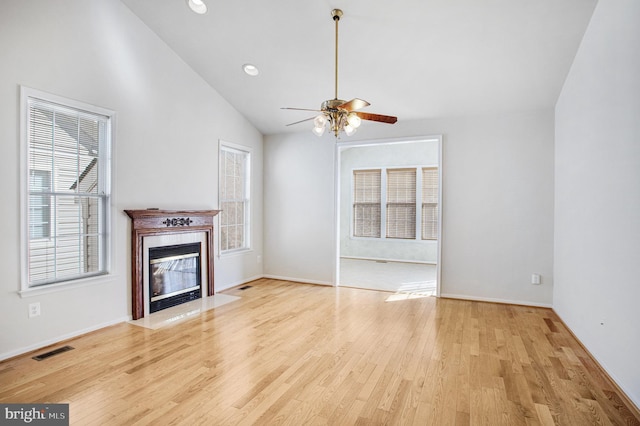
(171, 258)
(174, 275)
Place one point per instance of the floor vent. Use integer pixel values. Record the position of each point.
(52, 353)
(245, 287)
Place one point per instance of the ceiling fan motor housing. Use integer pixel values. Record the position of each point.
(337, 116)
(332, 104)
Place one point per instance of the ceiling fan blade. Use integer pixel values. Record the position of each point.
(301, 121)
(354, 104)
(302, 109)
(377, 117)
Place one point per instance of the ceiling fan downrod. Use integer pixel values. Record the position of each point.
(336, 14)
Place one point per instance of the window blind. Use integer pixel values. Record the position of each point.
(430, 203)
(366, 203)
(401, 203)
(233, 199)
(68, 192)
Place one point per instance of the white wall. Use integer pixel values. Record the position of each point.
(168, 125)
(299, 208)
(413, 154)
(597, 200)
(497, 203)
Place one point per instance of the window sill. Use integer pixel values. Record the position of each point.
(392, 240)
(70, 285)
(237, 252)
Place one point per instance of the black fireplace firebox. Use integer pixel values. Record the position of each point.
(175, 275)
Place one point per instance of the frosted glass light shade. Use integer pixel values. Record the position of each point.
(320, 121)
(349, 129)
(354, 121)
(318, 131)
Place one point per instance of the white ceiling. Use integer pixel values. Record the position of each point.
(410, 58)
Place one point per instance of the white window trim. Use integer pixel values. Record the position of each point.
(25, 290)
(248, 187)
(383, 203)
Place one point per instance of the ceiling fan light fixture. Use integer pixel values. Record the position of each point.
(197, 6)
(349, 129)
(320, 121)
(339, 115)
(353, 120)
(319, 125)
(318, 131)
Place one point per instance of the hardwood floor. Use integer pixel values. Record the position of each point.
(289, 353)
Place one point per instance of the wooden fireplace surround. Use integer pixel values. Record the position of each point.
(151, 222)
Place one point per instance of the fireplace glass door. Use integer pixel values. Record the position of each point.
(174, 275)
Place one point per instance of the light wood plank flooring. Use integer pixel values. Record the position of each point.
(289, 353)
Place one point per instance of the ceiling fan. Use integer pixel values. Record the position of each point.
(337, 114)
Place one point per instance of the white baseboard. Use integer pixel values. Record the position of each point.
(59, 339)
(631, 399)
(494, 300)
(238, 283)
(297, 280)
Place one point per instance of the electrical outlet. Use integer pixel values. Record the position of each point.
(34, 309)
(535, 279)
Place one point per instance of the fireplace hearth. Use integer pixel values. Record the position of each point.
(171, 258)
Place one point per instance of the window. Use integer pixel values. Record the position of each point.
(366, 203)
(234, 198)
(67, 192)
(401, 203)
(410, 199)
(39, 204)
(430, 203)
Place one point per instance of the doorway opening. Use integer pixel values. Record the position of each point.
(389, 215)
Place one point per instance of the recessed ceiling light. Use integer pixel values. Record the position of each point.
(197, 6)
(251, 70)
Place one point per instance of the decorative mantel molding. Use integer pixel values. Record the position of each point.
(151, 222)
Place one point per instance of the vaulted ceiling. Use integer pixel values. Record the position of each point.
(410, 58)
